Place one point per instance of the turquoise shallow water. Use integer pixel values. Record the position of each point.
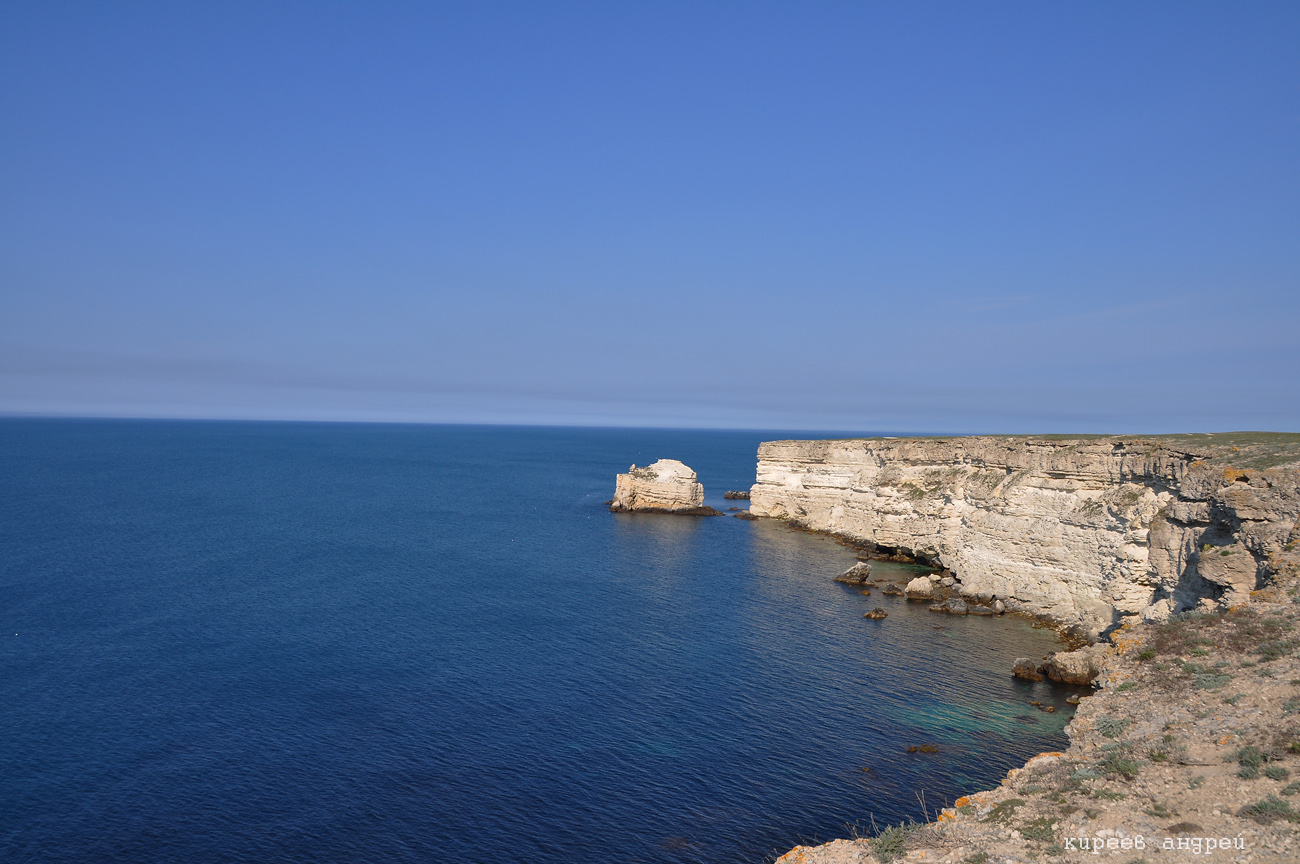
(300, 642)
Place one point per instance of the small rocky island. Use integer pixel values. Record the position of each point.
(667, 486)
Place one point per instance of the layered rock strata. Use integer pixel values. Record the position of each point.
(1082, 531)
(667, 486)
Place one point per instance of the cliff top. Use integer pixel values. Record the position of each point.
(1240, 449)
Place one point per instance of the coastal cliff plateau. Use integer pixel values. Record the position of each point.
(667, 486)
(1082, 531)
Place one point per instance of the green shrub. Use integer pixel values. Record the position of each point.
(891, 843)
(1120, 764)
(1276, 772)
(1250, 756)
(1269, 810)
(1210, 680)
(1112, 727)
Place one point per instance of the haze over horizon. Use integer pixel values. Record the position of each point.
(1018, 218)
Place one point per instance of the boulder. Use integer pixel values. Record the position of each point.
(876, 614)
(951, 607)
(858, 574)
(999, 607)
(734, 495)
(920, 588)
(1026, 669)
(667, 486)
(979, 610)
(1077, 667)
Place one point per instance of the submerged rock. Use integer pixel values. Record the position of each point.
(1026, 669)
(667, 486)
(979, 610)
(858, 574)
(951, 607)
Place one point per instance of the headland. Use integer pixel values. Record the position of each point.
(1175, 554)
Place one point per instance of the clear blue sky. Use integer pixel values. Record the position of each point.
(899, 216)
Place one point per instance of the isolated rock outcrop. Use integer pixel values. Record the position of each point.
(1080, 531)
(1027, 669)
(667, 486)
(1077, 667)
(920, 588)
(858, 574)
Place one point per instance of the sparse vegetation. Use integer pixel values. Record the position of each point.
(1040, 830)
(1004, 811)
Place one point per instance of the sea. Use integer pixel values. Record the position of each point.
(311, 642)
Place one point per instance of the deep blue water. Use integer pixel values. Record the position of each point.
(230, 642)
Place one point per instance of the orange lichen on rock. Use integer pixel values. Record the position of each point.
(1125, 641)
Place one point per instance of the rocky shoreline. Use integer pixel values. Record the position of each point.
(1190, 748)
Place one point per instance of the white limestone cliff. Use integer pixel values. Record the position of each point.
(1082, 531)
(667, 486)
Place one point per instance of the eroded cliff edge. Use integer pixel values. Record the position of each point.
(1080, 530)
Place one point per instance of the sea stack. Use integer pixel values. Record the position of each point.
(667, 486)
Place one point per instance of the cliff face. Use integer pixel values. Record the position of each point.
(667, 486)
(1082, 531)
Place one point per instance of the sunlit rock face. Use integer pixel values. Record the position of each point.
(1082, 531)
(667, 486)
